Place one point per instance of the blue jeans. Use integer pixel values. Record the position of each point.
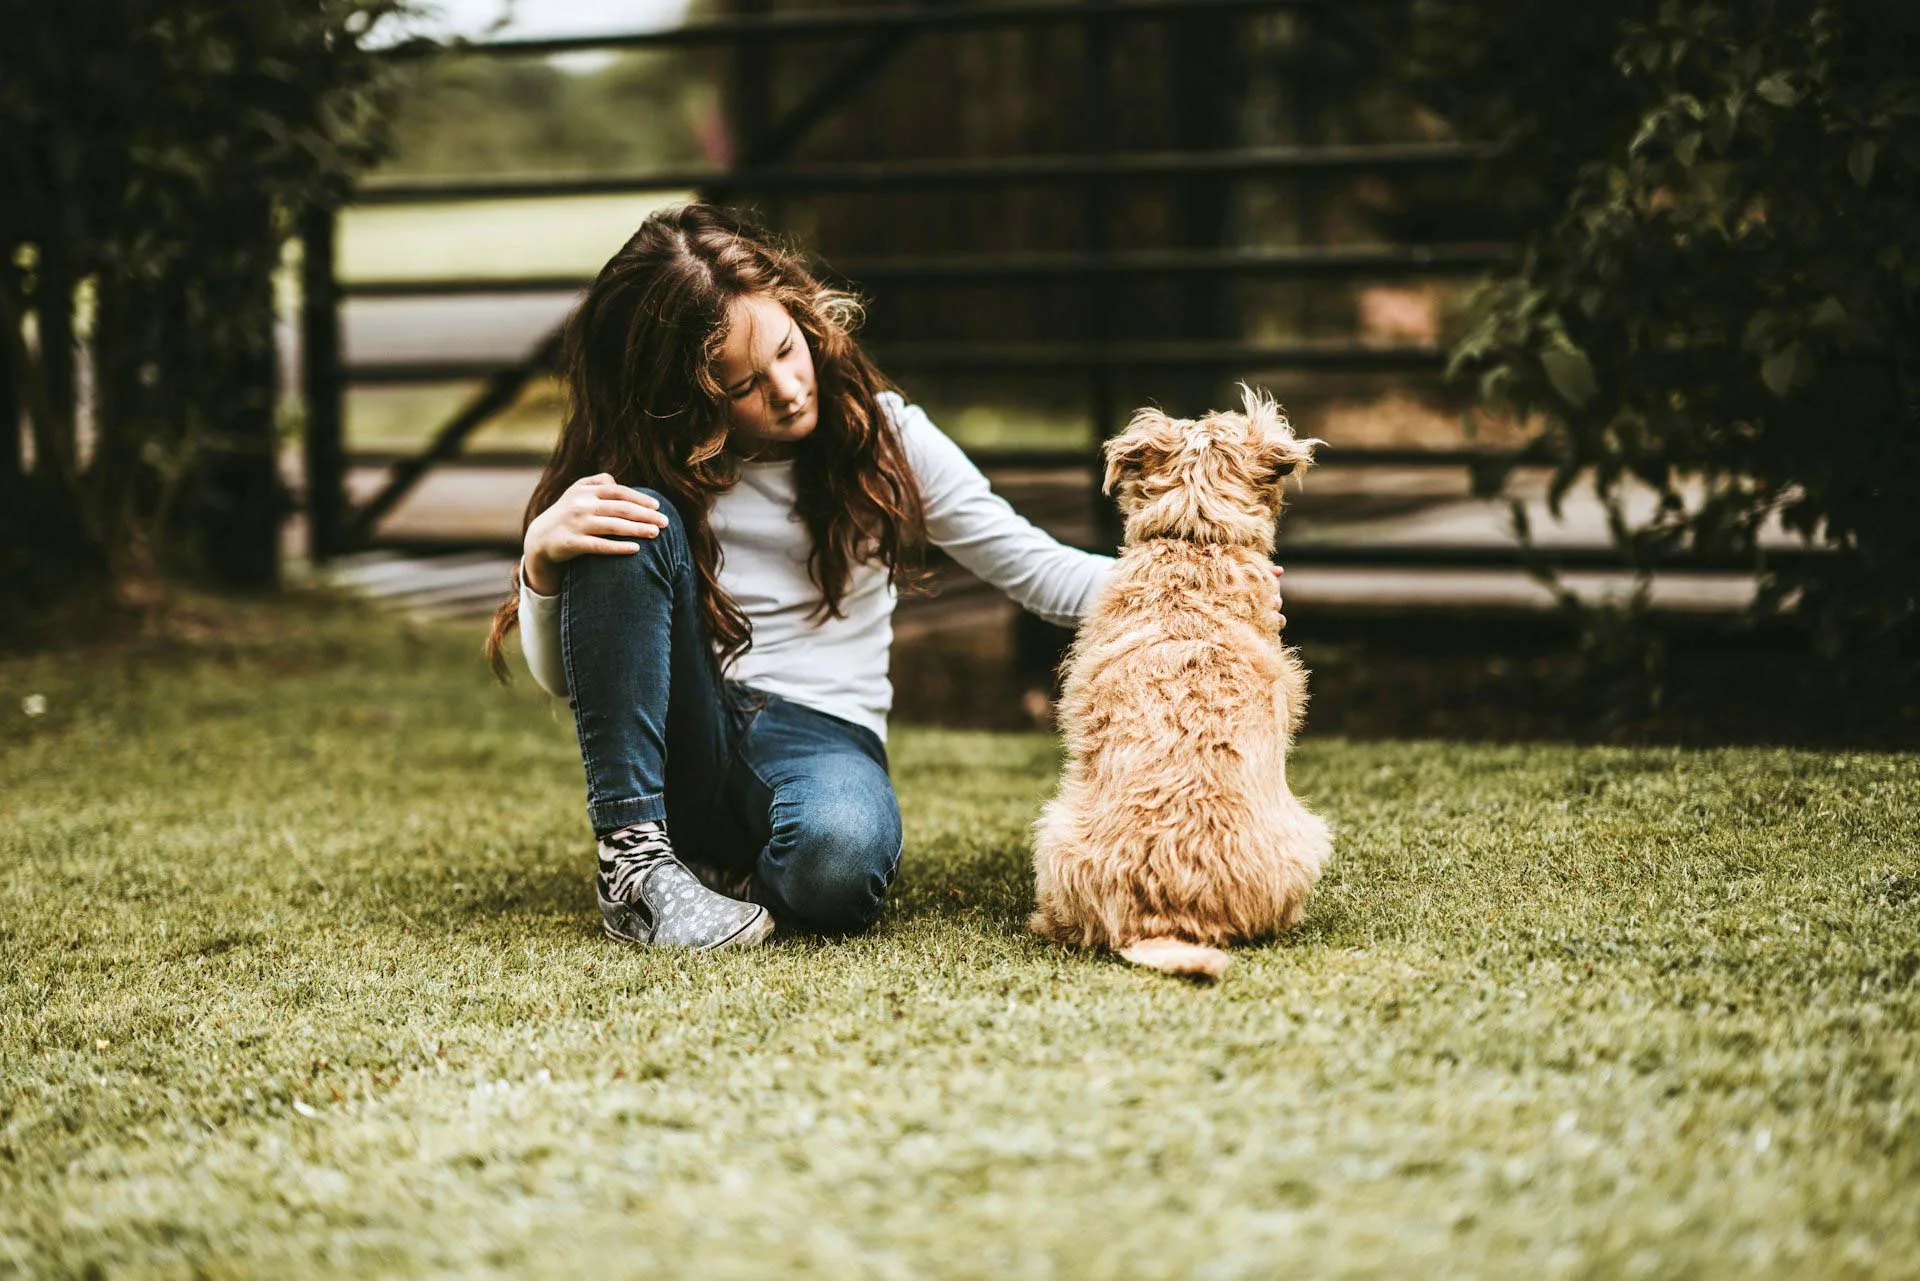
(745, 779)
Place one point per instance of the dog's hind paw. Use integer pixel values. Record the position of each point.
(1042, 924)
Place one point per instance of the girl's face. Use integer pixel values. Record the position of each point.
(765, 372)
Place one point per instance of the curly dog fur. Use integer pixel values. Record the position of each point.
(1173, 831)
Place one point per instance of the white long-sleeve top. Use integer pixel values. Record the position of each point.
(840, 665)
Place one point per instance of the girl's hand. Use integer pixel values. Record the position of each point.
(583, 520)
(1277, 571)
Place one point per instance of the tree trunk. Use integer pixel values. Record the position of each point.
(239, 499)
(233, 500)
(185, 465)
(12, 460)
(53, 430)
(48, 545)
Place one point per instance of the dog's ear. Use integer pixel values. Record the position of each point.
(1285, 455)
(1277, 451)
(1128, 453)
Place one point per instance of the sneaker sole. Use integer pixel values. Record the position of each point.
(748, 935)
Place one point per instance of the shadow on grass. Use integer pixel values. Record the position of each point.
(1471, 677)
(1716, 684)
(425, 891)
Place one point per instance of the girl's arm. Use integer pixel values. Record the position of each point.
(978, 528)
(540, 637)
(589, 519)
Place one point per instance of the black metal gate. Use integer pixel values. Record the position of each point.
(765, 172)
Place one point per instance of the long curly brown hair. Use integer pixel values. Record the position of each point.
(643, 405)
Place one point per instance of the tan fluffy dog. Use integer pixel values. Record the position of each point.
(1174, 832)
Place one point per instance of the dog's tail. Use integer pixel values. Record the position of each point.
(1177, 956)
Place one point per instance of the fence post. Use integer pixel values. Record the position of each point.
(1039, 646)
(1206, 65)
(1097, 231)
(56, 444)
(325, 393)
(750, 106)
(1307, 48)
(13, 461)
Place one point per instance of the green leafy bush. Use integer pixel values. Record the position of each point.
(1720, 290)
(156, 156)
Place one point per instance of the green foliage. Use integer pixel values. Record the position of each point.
(132, 118)
(1719, 290)
(163, 150)
(487, 115)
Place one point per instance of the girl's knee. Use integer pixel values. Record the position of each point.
(662, 552)
(671, 512)
(842, 860)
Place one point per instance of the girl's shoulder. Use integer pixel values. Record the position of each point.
(908, 419)
(894, 405)
(916, 431)
(936, 458)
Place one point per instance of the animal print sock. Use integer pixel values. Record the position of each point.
(628, 854)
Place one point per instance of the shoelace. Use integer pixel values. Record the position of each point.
(638, 850)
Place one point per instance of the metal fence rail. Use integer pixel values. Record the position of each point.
(1307, 262)
(1053, 458)
(1328, 357)
(1426, 555)
(896, 21)
(929, 175)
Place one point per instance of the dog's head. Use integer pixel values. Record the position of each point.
(1216, 479)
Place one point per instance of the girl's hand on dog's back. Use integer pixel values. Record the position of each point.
(585, 521)
(1277, 599)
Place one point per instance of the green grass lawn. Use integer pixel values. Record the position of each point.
(300, 974)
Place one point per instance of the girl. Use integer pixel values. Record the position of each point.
(709, 572)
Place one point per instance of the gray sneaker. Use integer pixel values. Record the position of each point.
(723, 880)
(648, 896)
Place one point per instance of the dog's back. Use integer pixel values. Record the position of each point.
(1174, 820)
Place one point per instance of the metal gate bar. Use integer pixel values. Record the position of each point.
(828, 23)
(921, 175)
(1373, 262)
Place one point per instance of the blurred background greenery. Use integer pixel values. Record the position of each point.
(1702, 334)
